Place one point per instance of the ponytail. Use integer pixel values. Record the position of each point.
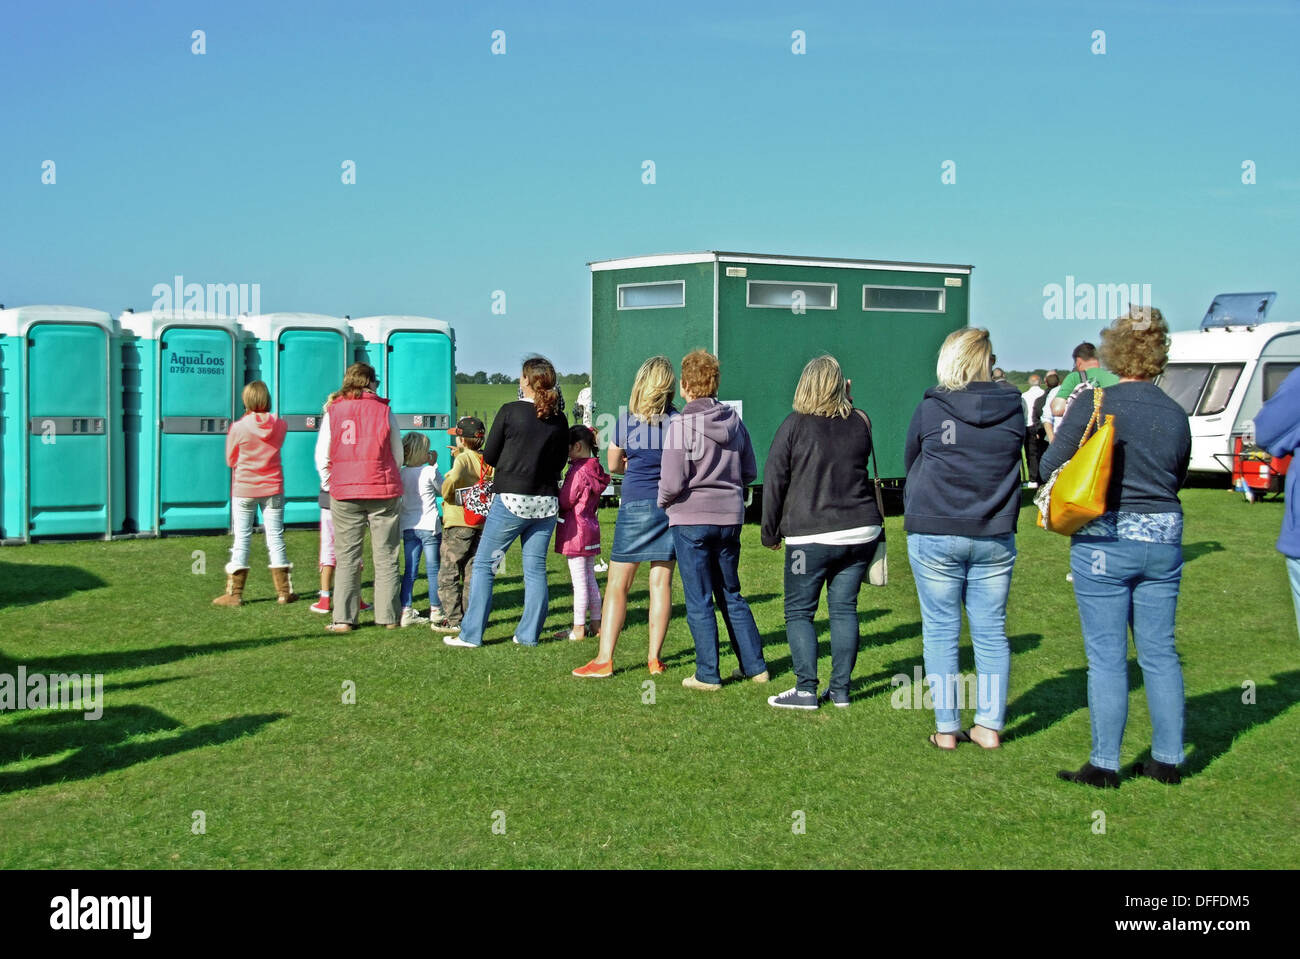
(540, 376)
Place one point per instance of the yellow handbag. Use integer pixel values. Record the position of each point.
(1076, 493)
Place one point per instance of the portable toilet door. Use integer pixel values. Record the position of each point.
(191, 377)
(301, 358)
(417, 374)
(62, 441)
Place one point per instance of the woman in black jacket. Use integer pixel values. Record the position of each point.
(528, 447)
(818, 495)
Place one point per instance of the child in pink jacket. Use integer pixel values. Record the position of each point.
(577, 534)
(253, 454)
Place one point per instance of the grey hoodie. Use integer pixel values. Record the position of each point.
(708, 461)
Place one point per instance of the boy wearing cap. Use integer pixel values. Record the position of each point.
(459, 539)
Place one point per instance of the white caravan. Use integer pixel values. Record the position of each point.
(1222, 373)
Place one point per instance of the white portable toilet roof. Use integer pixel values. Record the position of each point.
(267, 326)
(149, 325)
(375, 329)
(17, 320)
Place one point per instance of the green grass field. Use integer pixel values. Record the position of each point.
(239, 714)
(483, 401)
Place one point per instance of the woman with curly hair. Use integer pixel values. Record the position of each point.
(1128, 563)
(527, 449)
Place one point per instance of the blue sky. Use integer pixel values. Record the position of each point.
(478, 173)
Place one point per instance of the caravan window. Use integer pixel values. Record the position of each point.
(1222, 382)
(1202, 389)
(774, 295)
(1274, 374)
(1184, 382)
(651, 296)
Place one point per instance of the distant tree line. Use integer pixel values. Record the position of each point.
(483, 378)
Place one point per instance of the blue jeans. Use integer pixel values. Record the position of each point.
(841, 569)
(974, 571)
(1118, 584)
(415, 541)
(500, 529)
(1293, 572)
(709, 556)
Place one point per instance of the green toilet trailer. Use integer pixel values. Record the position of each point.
(764, 317)
(61, 449)
(415, 360)
(183, 373)
(301, 358)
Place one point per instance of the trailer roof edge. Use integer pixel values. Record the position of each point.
(708, 256)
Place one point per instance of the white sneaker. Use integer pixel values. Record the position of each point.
(457, 641)
(411, 618)
(600, 566)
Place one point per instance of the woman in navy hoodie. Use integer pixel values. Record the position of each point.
(960, 507)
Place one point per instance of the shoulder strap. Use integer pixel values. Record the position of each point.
(1095, 419)
(874, 472)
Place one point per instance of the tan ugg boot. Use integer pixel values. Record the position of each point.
(234, 594)
(283, 584)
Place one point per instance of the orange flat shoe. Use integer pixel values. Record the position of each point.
(656, 667)
(595, 670)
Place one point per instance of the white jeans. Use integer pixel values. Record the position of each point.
(245, 515)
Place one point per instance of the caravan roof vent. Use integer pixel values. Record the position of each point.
(1238, 309)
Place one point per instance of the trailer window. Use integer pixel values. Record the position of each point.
(784, 296)
(903, 299)
(1219, 390)
(1184, 383)
(652, 296)
(1274, 374)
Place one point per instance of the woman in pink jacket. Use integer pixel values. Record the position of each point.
(253, 453)
(577, 534)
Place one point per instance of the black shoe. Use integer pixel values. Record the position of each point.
(1160, 772)
(1090, 775)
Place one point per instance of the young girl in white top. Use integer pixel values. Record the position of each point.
(421, 524)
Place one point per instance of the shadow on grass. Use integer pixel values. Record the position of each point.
(1193, 551)
(1215, 720)
(22, 584)
(116, 659)
(101, 746)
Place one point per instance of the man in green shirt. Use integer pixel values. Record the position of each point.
(1086, 367)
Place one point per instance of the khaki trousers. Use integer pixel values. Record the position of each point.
(351, 517)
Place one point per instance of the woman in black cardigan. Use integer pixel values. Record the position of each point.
(818, 495)
(527, 448)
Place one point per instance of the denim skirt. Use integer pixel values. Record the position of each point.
(641, 533)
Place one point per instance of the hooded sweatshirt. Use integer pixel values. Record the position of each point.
(578, 531)
(708, 461)
(963, 462)
(253, 452)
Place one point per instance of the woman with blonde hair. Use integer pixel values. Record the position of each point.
(253, 453)
(818, 495)
(1128, 563)
(960, 507)
(641, 533)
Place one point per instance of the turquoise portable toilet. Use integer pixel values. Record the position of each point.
(415, 359)
(60, 437)
(301, 357)
(183, 373)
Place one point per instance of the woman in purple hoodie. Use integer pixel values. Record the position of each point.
(708, 461)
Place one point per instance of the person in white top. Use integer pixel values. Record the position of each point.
(1034, 444)
(421, 523)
